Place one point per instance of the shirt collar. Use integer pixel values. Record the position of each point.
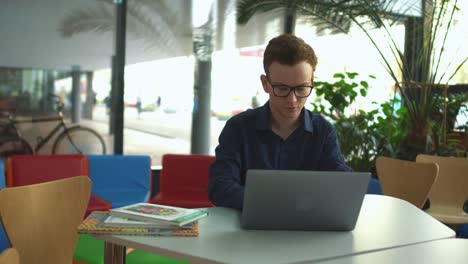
(263, 120)
(307, 120)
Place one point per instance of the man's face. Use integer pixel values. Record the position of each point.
(289, 107)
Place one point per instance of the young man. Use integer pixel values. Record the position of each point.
(281, 134)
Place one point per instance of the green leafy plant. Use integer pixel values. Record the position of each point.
(363, 135)
(340, 94)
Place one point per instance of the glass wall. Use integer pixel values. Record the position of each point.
(28, 91)
(160, 67)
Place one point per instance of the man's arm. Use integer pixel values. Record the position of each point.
(332, 158)
(225, 187)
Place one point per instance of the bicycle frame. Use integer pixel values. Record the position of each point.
(41, 141)
(54, 131)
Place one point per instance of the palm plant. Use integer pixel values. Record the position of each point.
(340, 15)
(155, 23)
(428, 66)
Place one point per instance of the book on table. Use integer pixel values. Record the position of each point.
(95, 224)
(170, 215)
(115, 221)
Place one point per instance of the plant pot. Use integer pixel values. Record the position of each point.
(418, 134)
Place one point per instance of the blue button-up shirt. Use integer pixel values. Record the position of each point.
(247, 142)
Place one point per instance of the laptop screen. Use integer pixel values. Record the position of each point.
(303, 200)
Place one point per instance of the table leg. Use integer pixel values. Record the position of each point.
(114, 254)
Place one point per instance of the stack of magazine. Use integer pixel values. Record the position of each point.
(144, 219)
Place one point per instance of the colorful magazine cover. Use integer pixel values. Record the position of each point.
(156, 210)
(93, 225)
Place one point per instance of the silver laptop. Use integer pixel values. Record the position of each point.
(303, 200)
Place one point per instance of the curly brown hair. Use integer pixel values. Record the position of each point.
(289, 50)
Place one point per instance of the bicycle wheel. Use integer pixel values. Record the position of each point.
(79, 140)
(14, 146)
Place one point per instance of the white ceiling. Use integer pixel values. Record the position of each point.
(29, 35)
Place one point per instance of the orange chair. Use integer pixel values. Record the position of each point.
(184, 181)
(32, 169)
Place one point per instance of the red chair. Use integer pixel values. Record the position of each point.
(184, 181)
(32, 169)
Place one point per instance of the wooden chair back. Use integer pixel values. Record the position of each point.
(9, 256)
(450, 191)
(406, 180)
(40, 220)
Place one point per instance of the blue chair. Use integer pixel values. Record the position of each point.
(374, 187)
(121, 179)
(463, 231)
(3, 239)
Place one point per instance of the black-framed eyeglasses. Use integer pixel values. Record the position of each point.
(282, 90)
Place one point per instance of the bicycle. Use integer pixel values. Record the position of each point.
(74, 139)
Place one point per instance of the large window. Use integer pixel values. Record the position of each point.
(43, 48)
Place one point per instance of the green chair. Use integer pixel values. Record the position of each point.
(90, 250)
(143, 257)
